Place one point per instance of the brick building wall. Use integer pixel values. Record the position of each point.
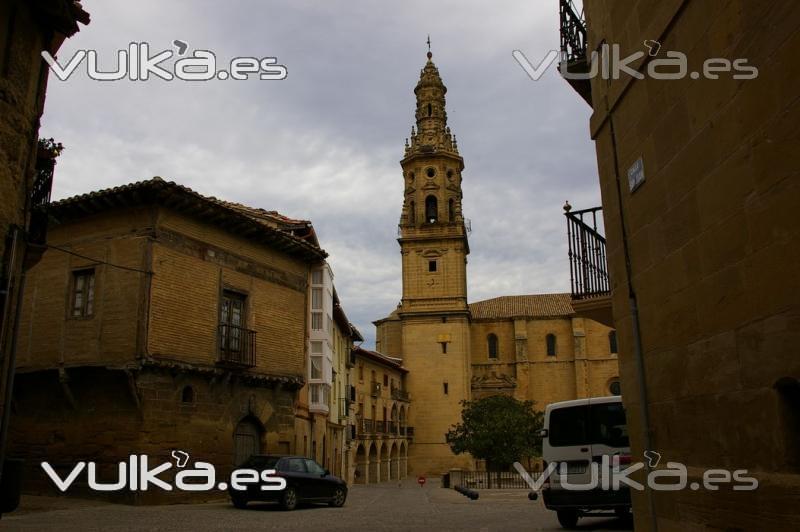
(152, 339)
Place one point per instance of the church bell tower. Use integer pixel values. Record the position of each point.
(433, 312)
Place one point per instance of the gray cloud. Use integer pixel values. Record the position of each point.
(324, 144)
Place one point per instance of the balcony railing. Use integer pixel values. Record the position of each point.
(382, 428)
(574, 59)
(40, 192)
(588, 269)
(399, 394)
(375, 389)
(237, 346)
(365, 426)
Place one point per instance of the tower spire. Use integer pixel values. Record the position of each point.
(433, 135)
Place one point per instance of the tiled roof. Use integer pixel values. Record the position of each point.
(295, 236)
(530, 306)
(381, 358)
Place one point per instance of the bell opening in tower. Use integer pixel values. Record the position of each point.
(431, 210)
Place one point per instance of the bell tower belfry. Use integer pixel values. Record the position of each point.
(433, 232)
(433, 312)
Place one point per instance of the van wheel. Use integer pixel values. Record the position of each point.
(567, 518)
(239, 501)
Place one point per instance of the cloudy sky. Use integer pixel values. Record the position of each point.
(325, 143)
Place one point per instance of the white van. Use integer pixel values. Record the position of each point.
(578, 433)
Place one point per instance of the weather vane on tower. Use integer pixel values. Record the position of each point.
(429, 46)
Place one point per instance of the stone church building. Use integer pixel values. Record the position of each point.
(530, 346)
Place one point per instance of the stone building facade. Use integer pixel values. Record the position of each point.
(532, 347)
(706, 247)
(381, 435)
(26, 171)
(160, 319)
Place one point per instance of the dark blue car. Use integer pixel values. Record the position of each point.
(306, 481)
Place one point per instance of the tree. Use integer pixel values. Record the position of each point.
(498, 429)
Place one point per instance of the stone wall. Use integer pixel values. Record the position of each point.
(714, 246)
(94, 416)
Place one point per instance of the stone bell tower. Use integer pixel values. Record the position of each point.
(433, 312)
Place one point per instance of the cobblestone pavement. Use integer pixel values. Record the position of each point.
(388, 506)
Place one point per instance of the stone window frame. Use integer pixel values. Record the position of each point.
(551, 345)
(493, 346)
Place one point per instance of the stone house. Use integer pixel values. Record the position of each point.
(160, 319)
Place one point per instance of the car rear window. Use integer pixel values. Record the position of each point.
(568, 426)
(609, 426)
(261, 462)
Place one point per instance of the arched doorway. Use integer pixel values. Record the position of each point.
(394, 463)
(403, 459)
(246, 439)
(374, 465)
(361, 474)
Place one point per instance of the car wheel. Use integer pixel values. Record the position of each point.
(567, 518)
(239, 501)
(339, 496)
(289, 499)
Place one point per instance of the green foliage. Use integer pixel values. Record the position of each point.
(498, 429)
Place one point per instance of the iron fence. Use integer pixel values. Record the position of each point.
(490, 479)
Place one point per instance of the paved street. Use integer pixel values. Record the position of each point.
(389, 506)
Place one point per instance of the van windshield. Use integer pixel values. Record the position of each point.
(601, 424)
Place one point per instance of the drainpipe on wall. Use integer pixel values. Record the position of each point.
(641, 375)
(8, 336)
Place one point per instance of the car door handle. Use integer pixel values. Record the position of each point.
(584, 449)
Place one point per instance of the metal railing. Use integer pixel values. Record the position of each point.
(588, 267)
(40, 199)
(574, 64)
(375, 389)
(573, 32)
(237, 345)
(399, 394)
(490, 479)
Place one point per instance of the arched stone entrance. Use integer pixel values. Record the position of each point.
(246, 439)
(373, 464)
(361, 475)
(394, 463)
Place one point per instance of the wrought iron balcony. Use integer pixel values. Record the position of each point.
(399, 395)
(47, 152)
(588, 269)
(237, 346)
(366, 426)
(574, 59)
